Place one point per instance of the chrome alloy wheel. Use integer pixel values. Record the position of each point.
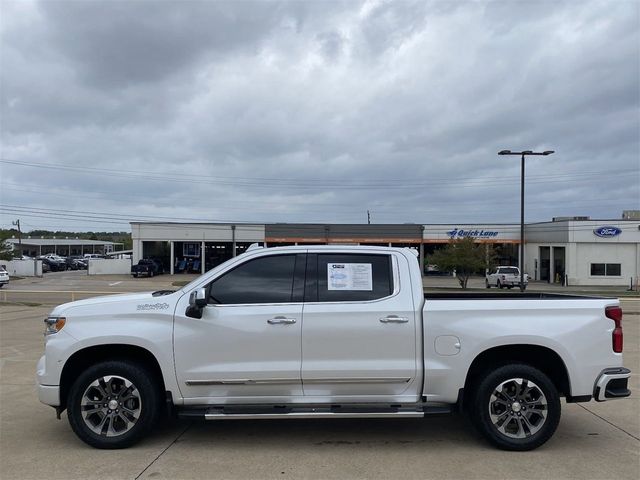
(111, 406)
(518, 408)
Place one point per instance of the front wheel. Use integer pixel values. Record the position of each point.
(516, 407)
(113, 404)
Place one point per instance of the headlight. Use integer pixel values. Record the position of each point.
(54, 324)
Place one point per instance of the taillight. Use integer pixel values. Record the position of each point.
(615, 314)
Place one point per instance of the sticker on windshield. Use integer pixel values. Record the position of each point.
(349, 276)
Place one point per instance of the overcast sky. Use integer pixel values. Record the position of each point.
(316, 112)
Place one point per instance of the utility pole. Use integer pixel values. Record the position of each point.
(17, 223)
(368, 217)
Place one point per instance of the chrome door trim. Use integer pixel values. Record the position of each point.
(244, 381)
(357, 380)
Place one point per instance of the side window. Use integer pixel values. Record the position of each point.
(354, 277)
(262, 280)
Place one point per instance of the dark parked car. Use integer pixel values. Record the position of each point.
(54, 265)
(148, 267)
(76, 263)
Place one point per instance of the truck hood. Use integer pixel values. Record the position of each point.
(145, 299)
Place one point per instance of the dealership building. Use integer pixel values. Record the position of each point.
(577, 251)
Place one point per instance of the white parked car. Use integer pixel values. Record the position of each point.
(4, 277)
(328, 332)
(508, 277)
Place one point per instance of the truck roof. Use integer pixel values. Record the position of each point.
(333, 247)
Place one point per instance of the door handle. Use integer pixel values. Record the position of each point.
(280, 320)
(394, 319)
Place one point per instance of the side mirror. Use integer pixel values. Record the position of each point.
(197, 302)
(198, 298)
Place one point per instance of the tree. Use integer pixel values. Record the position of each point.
(6, 249)
(465, 257)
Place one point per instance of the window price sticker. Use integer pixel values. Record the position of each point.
(349, 276)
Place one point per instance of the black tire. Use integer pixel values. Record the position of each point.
(148, 404)
(509, 287)
(135, 275)
(542, 428)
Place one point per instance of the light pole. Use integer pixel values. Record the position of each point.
(523, 154)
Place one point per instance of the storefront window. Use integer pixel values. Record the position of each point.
(605, 269)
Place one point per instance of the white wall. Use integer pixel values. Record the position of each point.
(588, 253)
(580, 256)
(23, 268)
(103, 266)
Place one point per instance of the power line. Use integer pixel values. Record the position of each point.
(112, 197)
(207, 224)
(297, 183)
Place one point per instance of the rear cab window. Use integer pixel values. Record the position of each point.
(345, 277)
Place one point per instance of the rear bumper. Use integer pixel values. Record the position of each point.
(612, 383)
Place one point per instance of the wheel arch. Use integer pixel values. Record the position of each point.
(91, 355)
(543, 358)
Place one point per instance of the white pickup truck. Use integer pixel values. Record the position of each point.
(328, 331)
(505, 277)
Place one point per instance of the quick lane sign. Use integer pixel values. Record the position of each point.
(460, 233)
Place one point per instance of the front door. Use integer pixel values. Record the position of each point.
(359, 329)
(247, 343)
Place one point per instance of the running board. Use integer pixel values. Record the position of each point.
(270, 412)
(271, 416)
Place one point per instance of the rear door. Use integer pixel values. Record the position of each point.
(359, 328)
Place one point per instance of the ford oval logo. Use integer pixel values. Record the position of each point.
(607, 231)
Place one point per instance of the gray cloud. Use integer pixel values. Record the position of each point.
(268, 111)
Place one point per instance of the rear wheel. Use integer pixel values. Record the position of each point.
(113, 404)
(516, 407)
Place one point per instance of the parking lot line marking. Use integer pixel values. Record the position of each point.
(114, 283)
(163, 451)
(607, 421)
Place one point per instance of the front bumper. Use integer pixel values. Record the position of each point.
(49, 394)
(611, 384)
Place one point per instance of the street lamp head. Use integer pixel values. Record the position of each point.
(527, 152)
(504, 152)
(548, 152)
